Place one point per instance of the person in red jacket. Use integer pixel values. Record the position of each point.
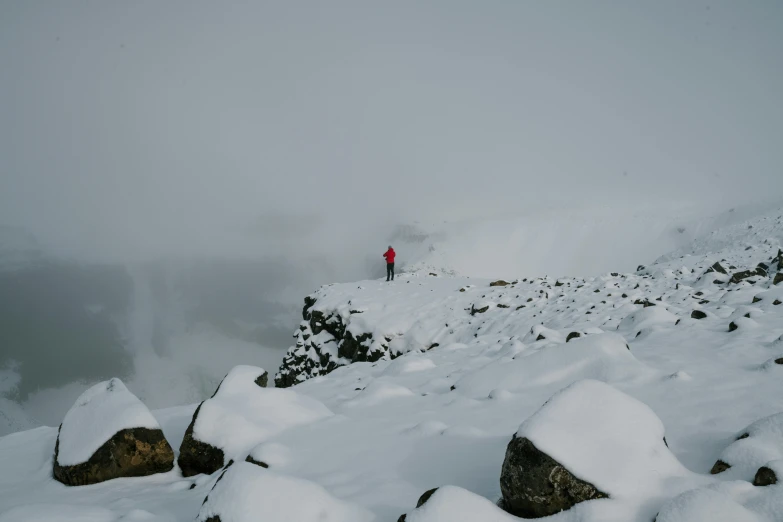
(389, 255)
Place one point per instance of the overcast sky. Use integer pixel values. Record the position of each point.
(145, 128)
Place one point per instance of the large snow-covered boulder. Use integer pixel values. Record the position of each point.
(589, 441)
(248, 493)
(241, 414)
(109, 433)
(755, 446)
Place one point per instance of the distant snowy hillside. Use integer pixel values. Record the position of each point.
(578, 241)
(627, 396)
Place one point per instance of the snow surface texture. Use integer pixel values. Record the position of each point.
(248, 493)
(441, 416)
(98, 414)
(243, 414)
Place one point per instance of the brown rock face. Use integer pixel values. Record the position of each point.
(499, 282)
(135, 452)
(719, 467)
(535, 485)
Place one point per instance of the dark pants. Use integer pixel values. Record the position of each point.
(390, 271)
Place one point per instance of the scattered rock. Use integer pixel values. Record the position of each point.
(499, 282)
(717, 267)
(745, 274)
(573, 335)
(732, 326)
(698, 314)
(778, 278)
(474, 310)
(719, 467)
(256, 462)
(765, 477)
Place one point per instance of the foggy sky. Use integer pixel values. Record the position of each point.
(144, 128)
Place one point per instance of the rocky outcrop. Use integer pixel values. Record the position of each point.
(698, 314)
(535, 485)
(745, 274)
(323, 343)
(135, 452)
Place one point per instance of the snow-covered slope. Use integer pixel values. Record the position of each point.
(450, 368)
(571, 240)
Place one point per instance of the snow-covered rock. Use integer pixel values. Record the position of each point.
(755, 446)
(240, 415)
(589, 441)
(109, 433)
(454, 504)
(248, 493)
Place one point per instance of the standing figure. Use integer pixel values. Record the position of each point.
(389, 255)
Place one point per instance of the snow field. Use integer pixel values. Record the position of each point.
(441, 416)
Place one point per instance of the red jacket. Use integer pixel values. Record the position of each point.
(389, 255)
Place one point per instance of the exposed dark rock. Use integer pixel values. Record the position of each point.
(779, 360)
(540, 337)
(474, 310)
(256, 462)
(640, 268)
(717, 267)
(573, 335)
(698, 314)
(422, 500)
(196, 456)
(756, 299)
(776, 302)
(765, 477)
(535, 485)
(745, 274)
(719, 467)
(644, 302)
(732, 326)
(499, 282)
(262, 379)
(309, 302)
(134, 452)
(778, 278)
